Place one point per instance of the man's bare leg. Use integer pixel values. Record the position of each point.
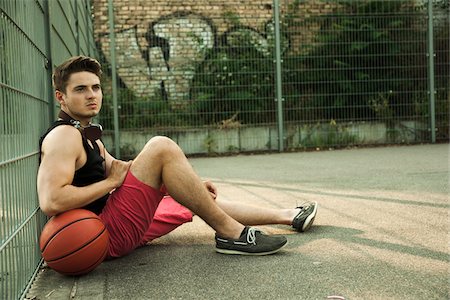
(162, 161)
(255, 215)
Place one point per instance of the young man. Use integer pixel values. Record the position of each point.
(76, 171)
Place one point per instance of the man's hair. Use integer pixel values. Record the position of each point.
(74, 64)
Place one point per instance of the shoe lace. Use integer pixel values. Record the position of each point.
(251, 236)
(304, 206)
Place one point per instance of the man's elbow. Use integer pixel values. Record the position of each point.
(49, 208)
(47, 211)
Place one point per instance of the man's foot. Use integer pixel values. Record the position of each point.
(251, 242)
(304, 219)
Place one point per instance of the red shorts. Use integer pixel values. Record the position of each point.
(136, 213)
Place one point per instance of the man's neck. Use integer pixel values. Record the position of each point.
(92, 132)
(63, 115)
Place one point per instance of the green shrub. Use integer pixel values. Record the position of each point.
(364, 53)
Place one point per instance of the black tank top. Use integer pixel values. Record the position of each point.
(92, 171)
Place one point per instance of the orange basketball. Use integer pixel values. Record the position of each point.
(74, 242)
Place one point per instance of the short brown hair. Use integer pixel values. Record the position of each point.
(74, 64)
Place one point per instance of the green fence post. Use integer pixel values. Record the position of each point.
(431, 88)
(77, 27)
(278, 61)
(49, 61)
(112, 47)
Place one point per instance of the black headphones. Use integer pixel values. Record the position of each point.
(92, 132)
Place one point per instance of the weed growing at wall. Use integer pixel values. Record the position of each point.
(235, 80)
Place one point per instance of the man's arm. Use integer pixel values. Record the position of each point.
(108, 157)
(58, 164)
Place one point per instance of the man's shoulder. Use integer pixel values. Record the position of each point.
(63, 143)
(62, 135)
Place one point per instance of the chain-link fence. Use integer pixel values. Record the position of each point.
(362, 75)
(229, 77)
(34, 36)
(441, 46)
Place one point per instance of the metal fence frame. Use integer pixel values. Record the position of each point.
(35, 36)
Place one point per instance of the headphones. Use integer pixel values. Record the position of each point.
(92, 132)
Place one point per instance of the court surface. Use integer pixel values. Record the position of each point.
(381, 232)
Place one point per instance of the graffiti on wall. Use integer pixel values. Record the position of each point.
(175, 46)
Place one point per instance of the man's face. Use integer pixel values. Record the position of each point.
(83, 96)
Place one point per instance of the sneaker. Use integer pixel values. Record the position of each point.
(304, 219)
(251, 242)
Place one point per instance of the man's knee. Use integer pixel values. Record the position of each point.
(162, 146)
(162, 141)
(149, 163)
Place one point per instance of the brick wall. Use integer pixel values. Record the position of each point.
(160, 43)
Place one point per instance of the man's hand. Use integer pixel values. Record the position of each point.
(211, 188)
(118, 172)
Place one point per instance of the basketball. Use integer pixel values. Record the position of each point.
(74, 242)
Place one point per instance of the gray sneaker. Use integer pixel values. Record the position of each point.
(305, 218)
(251, 242)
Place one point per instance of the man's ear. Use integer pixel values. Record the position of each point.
(59, 96)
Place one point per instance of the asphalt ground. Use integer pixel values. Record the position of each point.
(381, 232)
